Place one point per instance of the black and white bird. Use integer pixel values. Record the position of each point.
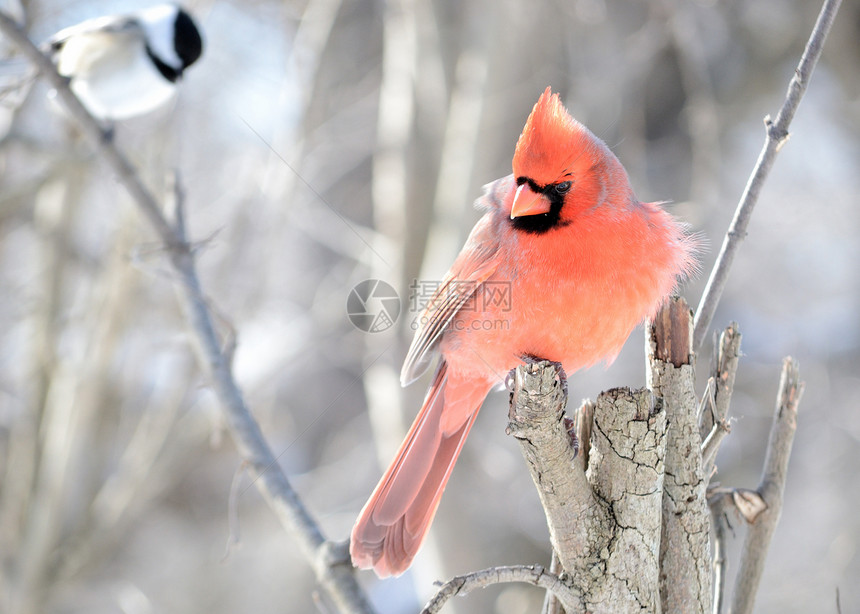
(127, 65)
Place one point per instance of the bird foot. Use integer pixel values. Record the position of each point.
(529, 359)
(570, 427)
(108, 132)
(569, 423)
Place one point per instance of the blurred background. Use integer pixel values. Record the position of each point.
(324, 143)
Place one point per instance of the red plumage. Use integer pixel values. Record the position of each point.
(563, 265)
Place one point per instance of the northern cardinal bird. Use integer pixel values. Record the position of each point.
(583, 263)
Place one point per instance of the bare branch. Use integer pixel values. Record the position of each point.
(711, 445)
(777, 134)
(606, 528)
(714, 425)
(770, 490)
(551, 603)
(708, 402)
(684, 545)
(726, 367)
(748, 503)
(175, 201)
(720, 523)
(720, 387)
(583, 423)
(330, 562)
(536, 420)
(529, 574)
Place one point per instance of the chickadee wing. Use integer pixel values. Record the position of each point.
(99, 26)
(76, 50)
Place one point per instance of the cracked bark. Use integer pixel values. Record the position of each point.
(628, 446)
(536, 420)
(685, 546)
(604, 523)
(628, 517)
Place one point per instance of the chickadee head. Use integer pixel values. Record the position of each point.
(122, 66)
(173, 42)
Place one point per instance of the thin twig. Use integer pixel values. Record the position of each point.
(770, 490)
(712, 444)
(707, 403)
(530, 574)
(176, 201)
(331, 565)
(777, 134)
(234, 537)
(728, 354)
(551, 603)
(720, 523)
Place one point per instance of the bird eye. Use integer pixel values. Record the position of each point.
(562, 187)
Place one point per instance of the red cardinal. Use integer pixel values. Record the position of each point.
(563, 265)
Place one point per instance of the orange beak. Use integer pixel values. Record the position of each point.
(528, 202)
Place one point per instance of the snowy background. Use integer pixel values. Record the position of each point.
(320, 144)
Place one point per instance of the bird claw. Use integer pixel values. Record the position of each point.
(108, 132)
(510, 378)
(531, 359)
(562, 376)
(570, 427)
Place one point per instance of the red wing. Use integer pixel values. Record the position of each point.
(477, 261)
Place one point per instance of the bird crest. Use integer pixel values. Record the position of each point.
(551, 142)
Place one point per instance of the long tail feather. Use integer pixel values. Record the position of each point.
(395, 520)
